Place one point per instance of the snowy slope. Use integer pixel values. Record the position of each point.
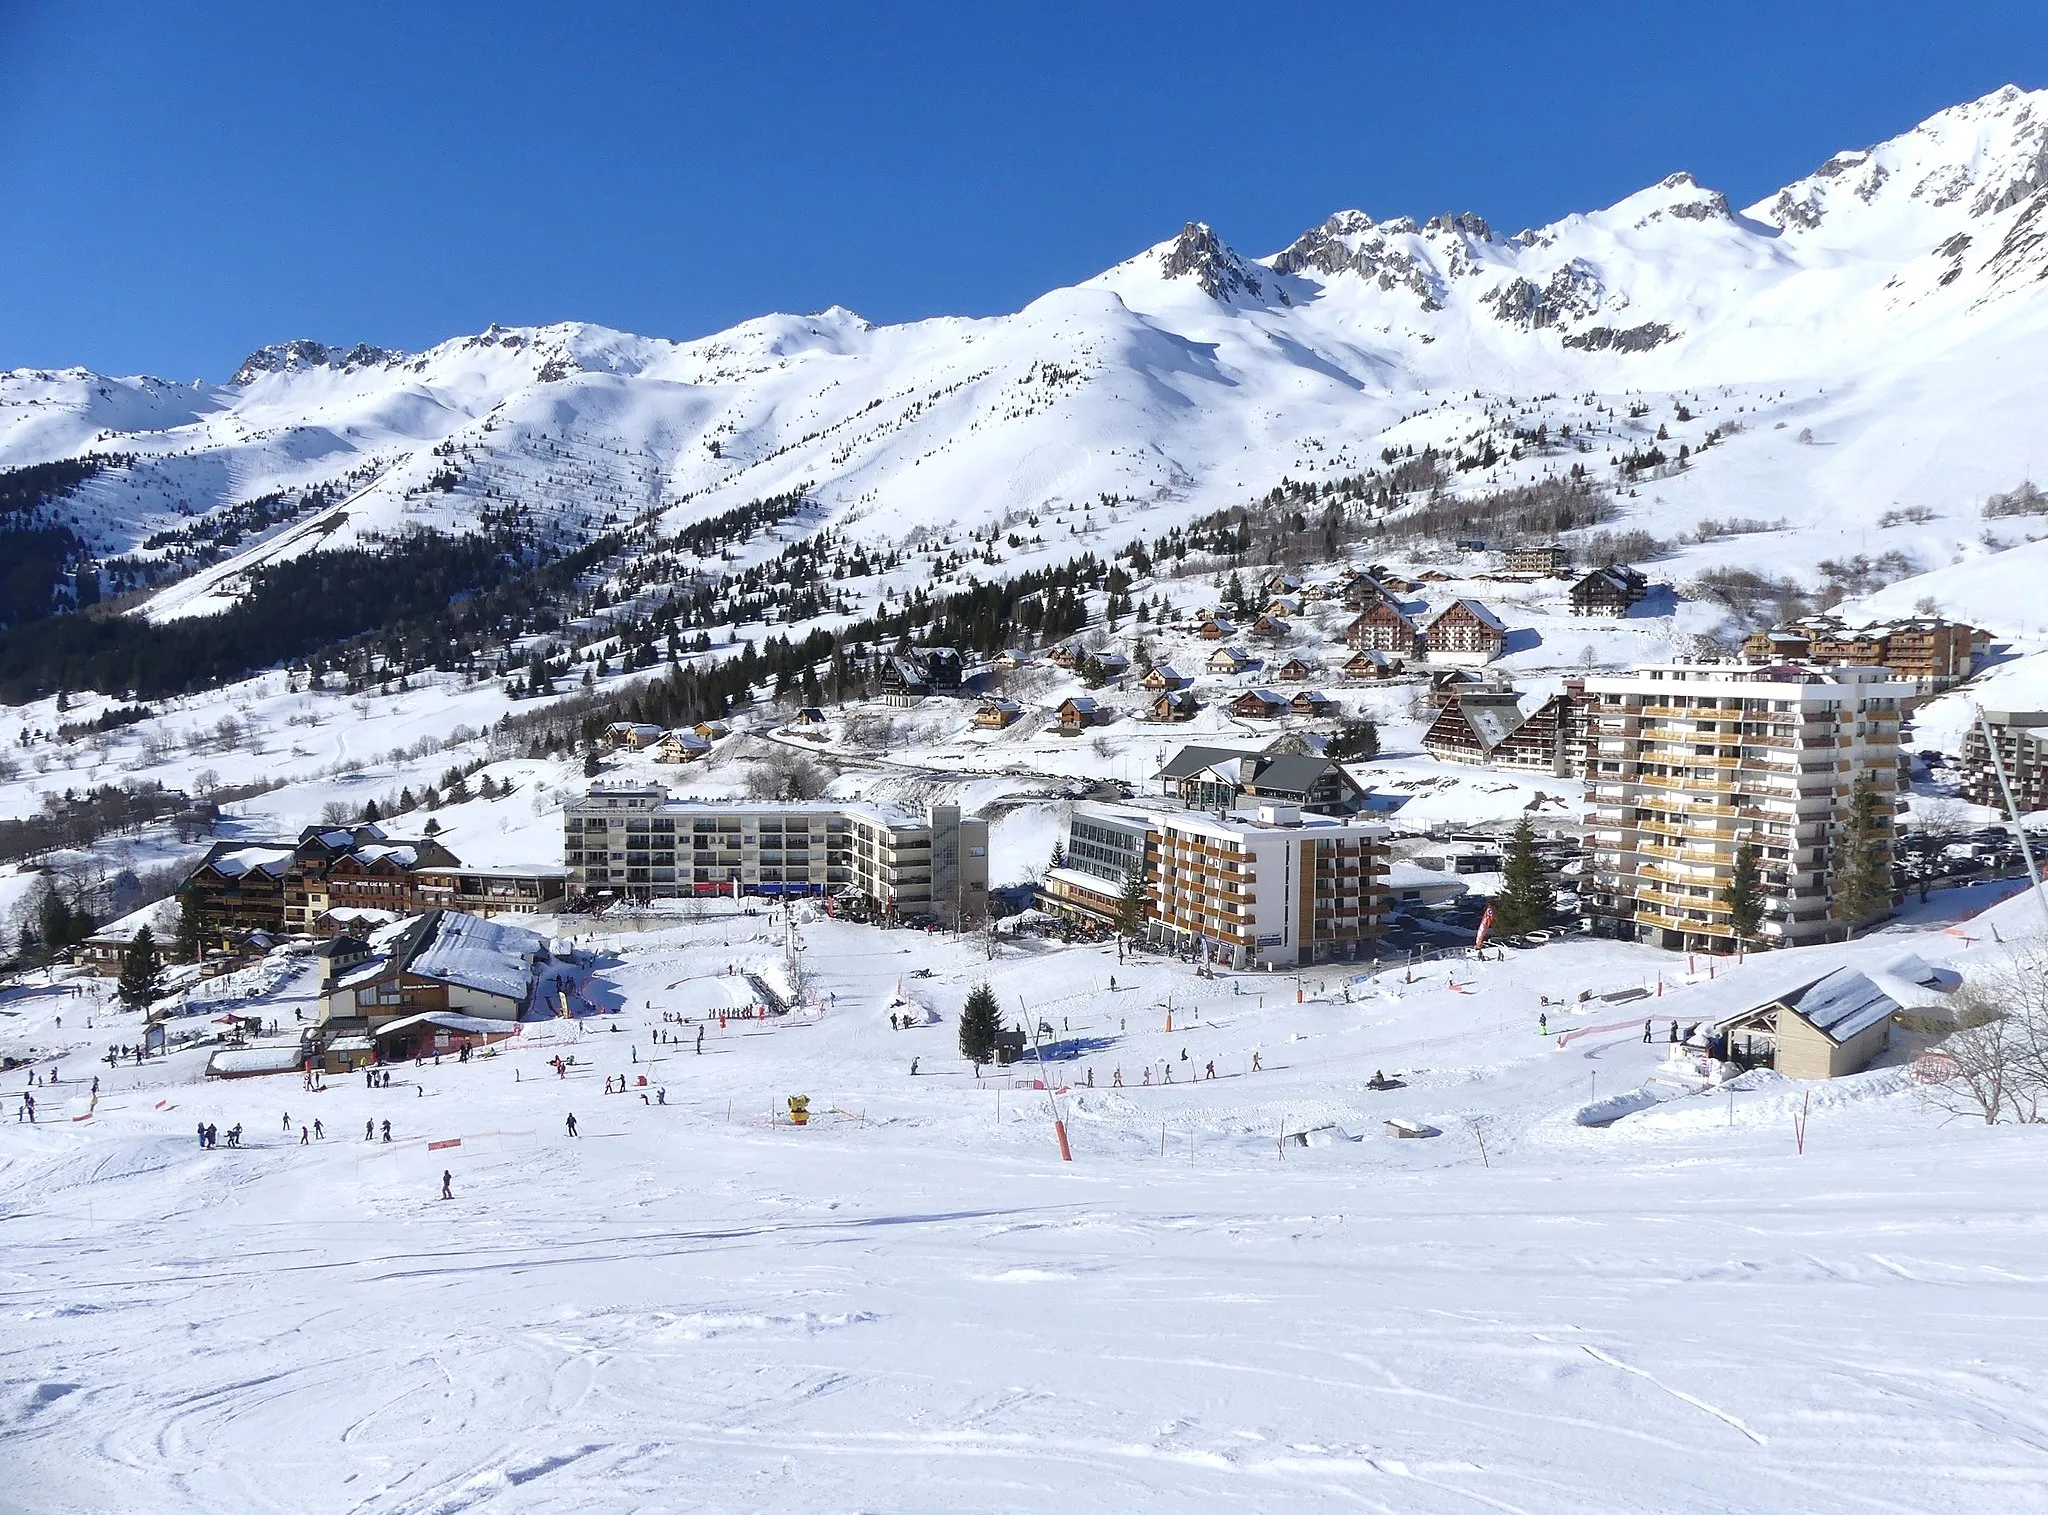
(1891, 304)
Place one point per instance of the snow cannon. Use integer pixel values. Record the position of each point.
(799, 1109)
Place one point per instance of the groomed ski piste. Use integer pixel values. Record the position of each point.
(1242, 1293)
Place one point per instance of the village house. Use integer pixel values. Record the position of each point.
(995, 714)
(1164, 676)
(1282, 583)
(1259, 704)
(1828, 1028)
(713, 731)
(1229, 660)
(1937, 652)
(424, 985)
(1174, 705)
(1312, 702)
(1296, 670)
(1284, 605)
(1109, 663)
(1612, 590)
(1464, 632)
(1077, 713)
(1381, 627)
(680, 746)
(630, 736)
(1369, 666)
(1270, 626)
(1215, 628)
(1010, 659)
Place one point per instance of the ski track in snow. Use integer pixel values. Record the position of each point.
(911, 1305)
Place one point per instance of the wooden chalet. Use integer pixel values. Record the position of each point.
(1164, 676)
(630, 736)
(1215, 778)
(1500, 728)
(1259, 704)
(1077, 713)
(1296, 670)
(1312, 702)
(1229, 660)
(995, 714)
(1367, 666)
(681, 746)
(1445, 684)
(1215, 628)
(1381, 627)
(1283, 583)
(1174, 705)
(1284, 605)
(1464, 632)
(1612, 590)
(1270, 626)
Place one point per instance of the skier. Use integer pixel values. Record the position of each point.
(913, 1067)
(287, 1126)
(572, 1125)
(319, 1135)
(661, 1096)
(387, 1131)
(1212, 1069)
(447, 1182)
(1543, 1023)
(202, 1133)
(369, 1130)
(1255, 1062)
(305, 1137)
(1116, 1079)
(700, 1041)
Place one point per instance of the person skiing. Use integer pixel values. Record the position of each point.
(1116, 1079)
(447, 1182)
(572, 1125)
(913, 1067)
(287, 1126)
(700, 1041)
(202, 1133)
(319, 1134)
(305, 1137)
(1543, 1023)
(1211, 1073)
(387, 1131)
(369, 1130)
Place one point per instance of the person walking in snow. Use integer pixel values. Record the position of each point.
(572, 1125)
(1543, 1023)
(319, 1135)
(1646, 1033)
(202, 1134)
(1255, 1062)
(305, 1137)
(287, 1126)
(1212, 1069)
(447, 1184)
(369, 1130)
(387, 1131)
(700, 1041)
(913, 1067)
(1116, 1078)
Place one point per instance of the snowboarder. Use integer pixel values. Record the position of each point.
(1543, 1023)
(447, 1184)
(572, 1125)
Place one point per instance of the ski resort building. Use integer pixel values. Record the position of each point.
(1219, 778)
(1936, 652)
(420, 986)
(1381, 627)
(634, 842)
(2022, 738)
(1690, 761)
(1501, 727)
(1612, 590)
(1257, 886)
(1465, 633)
(1551, 559)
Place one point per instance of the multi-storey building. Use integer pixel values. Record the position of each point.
(633, 841)
(1505, 728)
(1690, 761)
(1464, 632)
(1269, 886)
(2022, 737)
(1256, 886)
(1933, 651)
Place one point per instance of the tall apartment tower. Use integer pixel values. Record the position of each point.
(1689, 761)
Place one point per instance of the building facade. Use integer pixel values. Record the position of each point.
(1689, 761)
(634, 842)
(1936, 652)
(1466, 633)
(2022, 738)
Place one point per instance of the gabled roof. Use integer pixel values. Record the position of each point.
(242, 859)
(1478, 612)
(1194, 757)
(1842, 1005)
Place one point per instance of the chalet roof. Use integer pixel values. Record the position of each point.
(1292, 774)
(1194, 757)
(1081, 703)
(1264, 696)
(486, 955)
(239, 860)
(1478, 612)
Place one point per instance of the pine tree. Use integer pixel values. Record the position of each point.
(53, 921)
(1059, 856)
(1526, 899)
(190, 937)
(980, 1020)
(137, 984)
(1863, 858)
(371, 813)
(590, 764)
(1745, 896)
(1133, 905)
(1353, 742)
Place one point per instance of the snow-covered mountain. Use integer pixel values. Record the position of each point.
(1866, 340)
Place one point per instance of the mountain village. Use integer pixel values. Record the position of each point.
(1422, 712)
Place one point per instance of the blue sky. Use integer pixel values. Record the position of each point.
(180, 184)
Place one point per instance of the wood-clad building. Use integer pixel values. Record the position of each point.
(1612, 590)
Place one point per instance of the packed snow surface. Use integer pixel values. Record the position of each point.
(1242, 1293)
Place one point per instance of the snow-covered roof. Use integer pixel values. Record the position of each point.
(255, 858)
(490, 956)
(446, 1020)
(1478, 611)
(1405, 875)
(1074, 878)
(1843, 1004)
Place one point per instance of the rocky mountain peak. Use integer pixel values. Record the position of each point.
(1199, 254)
(302, 354)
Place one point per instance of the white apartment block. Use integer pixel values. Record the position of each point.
(635, 842)
(1688, 761)
(1260, 886)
